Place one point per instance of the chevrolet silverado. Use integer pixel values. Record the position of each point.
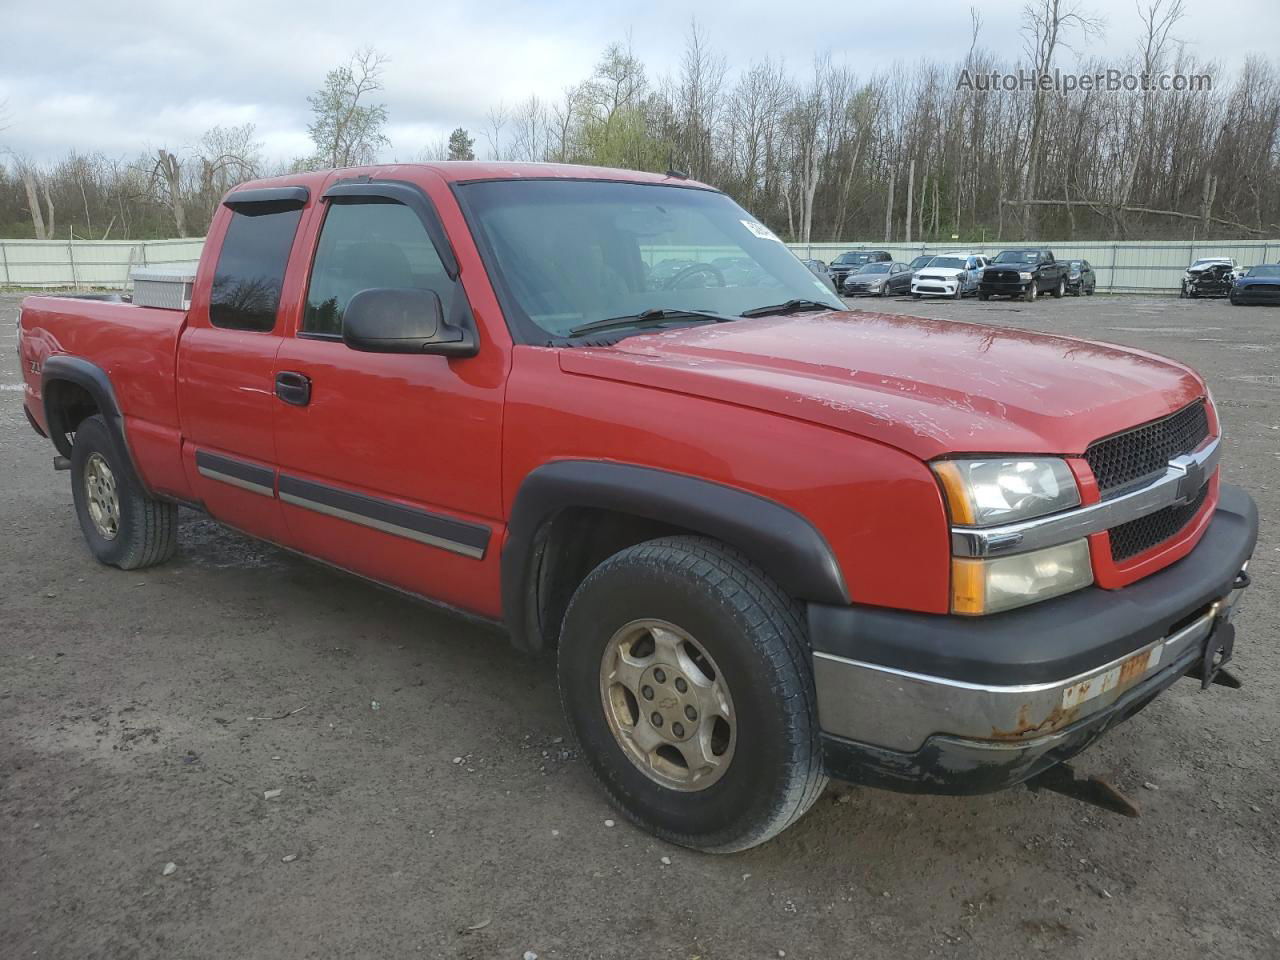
(768, 540)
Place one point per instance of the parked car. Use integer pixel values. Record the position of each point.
(820, 270)
(1260, 284)
(1024, 273)
(948, 275)
(848, 263)
(1199, 266)
(1214, 280)
(767, 540)
(879, 279)
(1081, 278)
(920, 261)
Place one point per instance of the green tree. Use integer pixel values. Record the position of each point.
(346, 131)
(460, 145)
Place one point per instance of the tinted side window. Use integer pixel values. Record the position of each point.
(250, 271)
(364, 246)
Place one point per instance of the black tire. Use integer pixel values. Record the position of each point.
(915, 296)
(959, 294)
(1089, 292)
(146, 529)
(983, 295)
(755, 634)
(1060, 289)
(1032, 291)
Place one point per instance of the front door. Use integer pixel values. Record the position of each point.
(389, 465)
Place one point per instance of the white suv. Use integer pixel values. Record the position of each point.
(948, 275)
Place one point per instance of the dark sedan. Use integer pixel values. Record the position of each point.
(879, 280)
(1259, 284)
(822, 272)
(1081, 278)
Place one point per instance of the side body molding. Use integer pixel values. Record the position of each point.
(93, 379)
(784, 544)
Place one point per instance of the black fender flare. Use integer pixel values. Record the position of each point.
(95, 381)
(781, 541)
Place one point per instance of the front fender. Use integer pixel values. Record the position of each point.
(782, 542)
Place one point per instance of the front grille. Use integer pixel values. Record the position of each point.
(1132, 538)
(1145, 451)
(1003, 276)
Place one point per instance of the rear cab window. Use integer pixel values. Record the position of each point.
(251, 266)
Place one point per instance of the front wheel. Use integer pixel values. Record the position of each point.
(123, 526)
(1033, 291)
(685, 676)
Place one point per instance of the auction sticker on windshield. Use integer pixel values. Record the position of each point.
(760, 230)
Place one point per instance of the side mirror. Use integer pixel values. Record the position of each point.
(391, 320)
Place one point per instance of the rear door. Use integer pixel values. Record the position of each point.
(390, 463)
(226, 360)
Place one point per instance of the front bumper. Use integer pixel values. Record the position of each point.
(1008, 288)
(940, 704)
(935, 288)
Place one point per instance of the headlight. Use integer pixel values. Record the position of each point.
(990, 586)
(983, 493)
(1024, 275)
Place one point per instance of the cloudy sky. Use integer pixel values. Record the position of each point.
(129, 75)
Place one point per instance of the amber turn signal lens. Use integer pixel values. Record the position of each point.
(956, 492)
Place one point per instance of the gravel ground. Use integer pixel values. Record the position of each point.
(429, 803)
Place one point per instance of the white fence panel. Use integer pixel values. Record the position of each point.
(1153, 267)
(88, 263)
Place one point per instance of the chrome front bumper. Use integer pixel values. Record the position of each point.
(899, 710)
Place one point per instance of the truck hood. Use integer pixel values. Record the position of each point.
(929, 387)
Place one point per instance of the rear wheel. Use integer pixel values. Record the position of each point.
(1060, 289)
(685, 676)
(123, 526)
(983, 295)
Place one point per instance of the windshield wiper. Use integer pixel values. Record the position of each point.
(649, 318)
(791, 306)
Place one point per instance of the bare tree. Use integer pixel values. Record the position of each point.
(1046, 25)
(167, 184)
(36, 186)
(495, 121)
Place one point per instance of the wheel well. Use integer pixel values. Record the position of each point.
(66, 405)
(568, 547)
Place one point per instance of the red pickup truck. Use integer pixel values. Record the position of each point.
(768, 539)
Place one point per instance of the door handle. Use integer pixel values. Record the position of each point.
(293, 388)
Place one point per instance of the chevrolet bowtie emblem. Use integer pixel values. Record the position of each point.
(1192, 478)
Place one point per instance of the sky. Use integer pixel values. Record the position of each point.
(133, 75)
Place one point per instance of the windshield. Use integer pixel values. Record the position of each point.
(874, 268)
(569, 252)
(1018, 256)
(1267, 271)
(919, 262)
(954, 263)
(852, 258)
